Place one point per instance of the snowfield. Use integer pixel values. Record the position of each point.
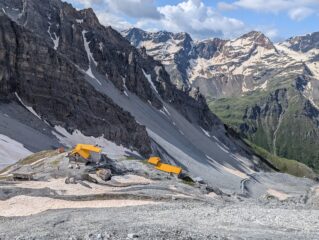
(11, 151)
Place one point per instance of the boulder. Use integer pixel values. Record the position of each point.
(104, 174)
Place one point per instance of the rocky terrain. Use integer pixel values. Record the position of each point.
(268, 92)
(140, 202)
(66, 79)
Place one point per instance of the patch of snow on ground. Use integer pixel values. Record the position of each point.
(101, 46)
(27, 107)
(11, 151)
(55, 40)
(149, 79)
(314, 68)
(308, 93)
(244, 88)
(87, 48)
(206, 133)
(264, 85)
(222, 148)
(90, 57)
(165, 110)
(210, 158)
(109, 148)
(29, 205)
(298, 56)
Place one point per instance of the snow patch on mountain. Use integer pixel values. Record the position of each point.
(55, 39)
(149, 79)
(27, 107)
(111, 149)
(11, 150)
(90, 57)
(87, 48)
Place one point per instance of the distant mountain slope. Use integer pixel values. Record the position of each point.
(268, 92)
(65, 78)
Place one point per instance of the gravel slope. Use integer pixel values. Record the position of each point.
(175, 220)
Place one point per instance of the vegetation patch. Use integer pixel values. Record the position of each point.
(5, 169)
(285, 165)
(37, 156)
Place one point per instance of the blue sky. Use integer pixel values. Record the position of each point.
(278, 19)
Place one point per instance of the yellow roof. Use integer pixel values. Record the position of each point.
(154, 160)
(85, 149)
(88, 147)
(168, 168)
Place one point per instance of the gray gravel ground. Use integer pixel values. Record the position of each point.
(173, 220)
(184, 211)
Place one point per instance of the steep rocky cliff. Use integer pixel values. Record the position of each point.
(35, 73)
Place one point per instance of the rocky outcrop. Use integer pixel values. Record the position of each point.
(107, 52)
(57, 90)
(191, 103)
(304, 43)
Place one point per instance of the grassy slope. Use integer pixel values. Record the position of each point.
(285, 165)
(297, 137)
(231, 110)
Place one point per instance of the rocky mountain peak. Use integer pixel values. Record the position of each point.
(304, 43)
(90, 17)
(258, 39)
(135, 35)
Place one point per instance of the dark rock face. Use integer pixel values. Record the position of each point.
(305, 43)
(311, 112)
(191, 104)
(180, 61)
(181, 58)
(114, 56)
(265, 115)
(58, 91)
(48, 46)
(208, 48)
(59, 23)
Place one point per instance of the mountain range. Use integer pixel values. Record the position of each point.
(67, 79)
(268, 92)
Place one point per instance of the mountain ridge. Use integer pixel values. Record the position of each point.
(243, 75)
(73, 80)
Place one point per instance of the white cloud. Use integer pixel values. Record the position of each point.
(297, 9)
(191, 16)
(110, 19)
(88, 3)
(300, 13)
(135, 8)
(271, 33)
(223, 6)
(194, 17)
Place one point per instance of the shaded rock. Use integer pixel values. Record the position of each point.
(104, 174)
(216, 190)
(87, 177)
(132, 236)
